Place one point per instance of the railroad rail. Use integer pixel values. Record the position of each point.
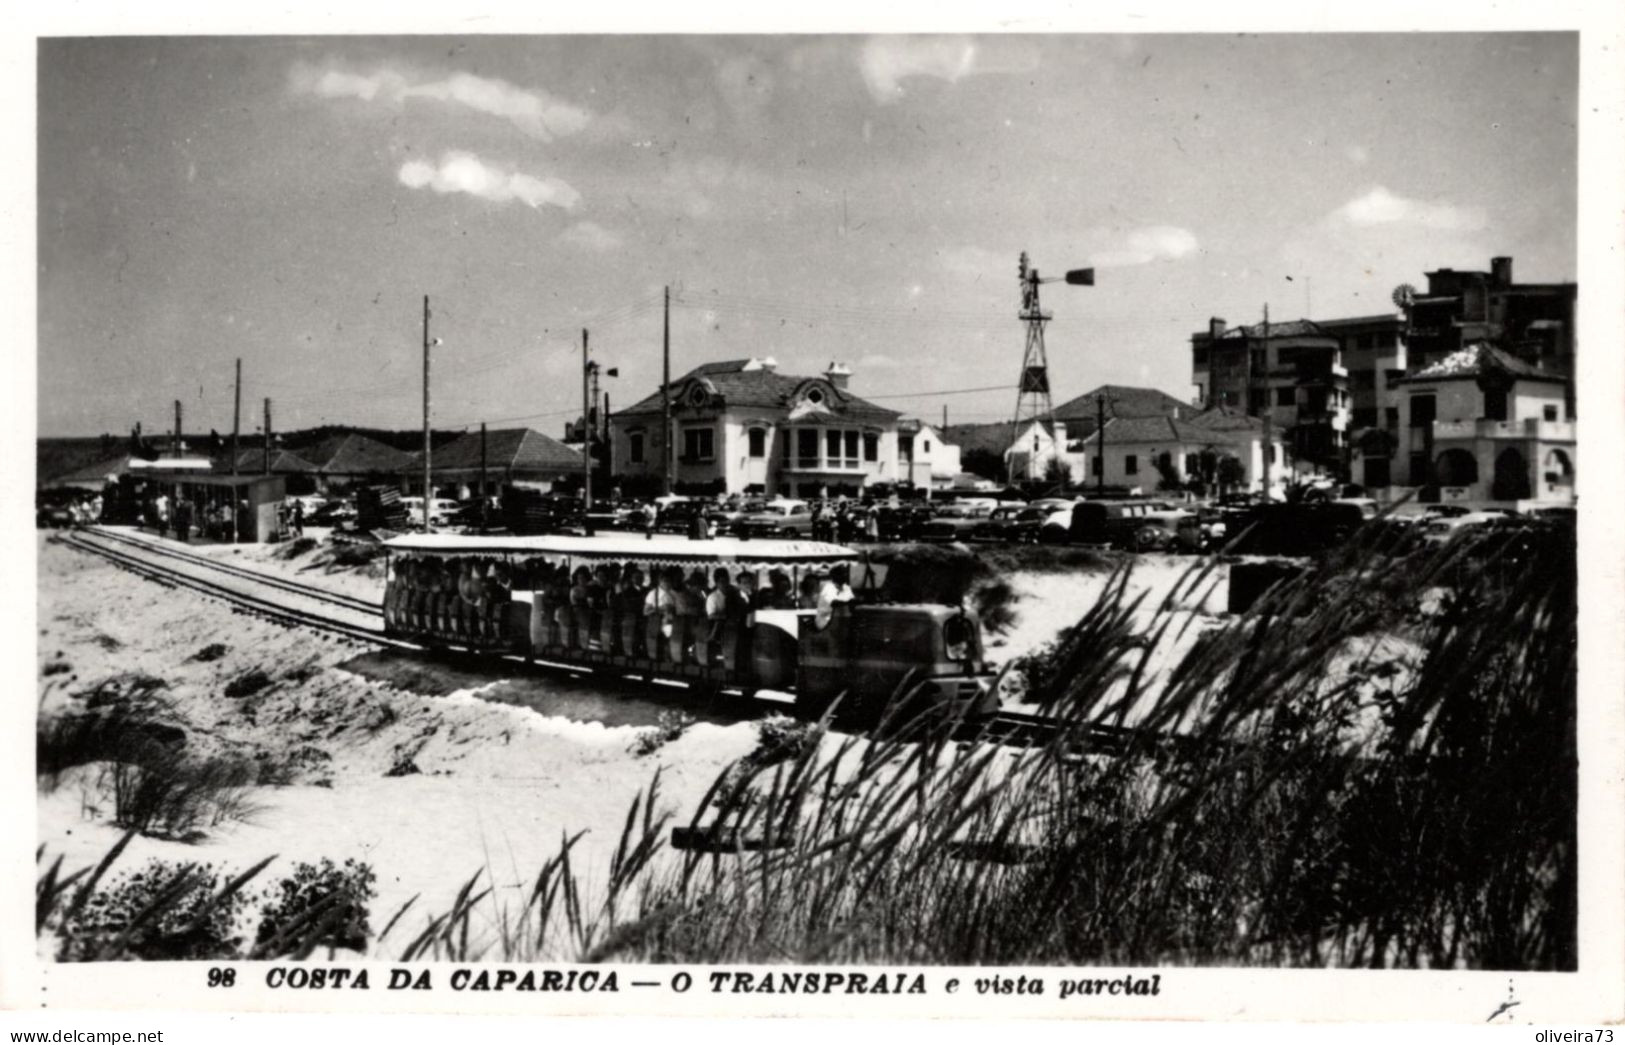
(348, 602)
(153, 568)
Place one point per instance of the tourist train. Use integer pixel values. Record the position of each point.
(806, 617)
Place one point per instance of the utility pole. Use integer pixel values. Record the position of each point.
(665, 399)
(945, 420)
(1269, 413)
(236, 416)
(177, 445)
(428, 490)
(1100, 444)
(586, 426)
(485, 501)
(266, 452)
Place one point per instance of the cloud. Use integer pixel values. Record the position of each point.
(1381, 207)
(467, 173)
(589, 235)
(1145, 245)
(535, 112)
(886, 61)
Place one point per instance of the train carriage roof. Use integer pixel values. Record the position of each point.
(666, 548)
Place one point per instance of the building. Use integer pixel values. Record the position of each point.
(1033, 452)
(351, 457)
(742, 427)
(1292, 374)
(926, 459)
(1151, 453)
(1533, 322)
(521, 456)
(1484, 426)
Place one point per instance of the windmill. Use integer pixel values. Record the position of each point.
(1033, 401)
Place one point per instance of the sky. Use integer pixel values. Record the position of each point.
(816, 199)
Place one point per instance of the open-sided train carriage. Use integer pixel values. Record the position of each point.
(638, 606)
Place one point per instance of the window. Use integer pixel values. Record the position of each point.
(699, 444)
(927, 448)
(1424, 408)
(1284, 396)
(1549, 411)
(1131, 464)
(1094, 465)
(815, 396)
(871, 447)
(1390, 417)
(634, 447)
(758, 442)
(1192, 464)
(807, 447)
(1495, 405)
(832, 445)
(852, 440)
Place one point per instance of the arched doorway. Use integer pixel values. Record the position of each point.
(1511, 476)
(1456, 468)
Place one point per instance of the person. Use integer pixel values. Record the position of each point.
(807, 596)
(723, 617)
(748, 603)
(629, 609)
(691, 613)
(660, 614)
(578, 632)
(299, 518)
(871, 525)
(819, 530)
(834, 595)
(778, 595)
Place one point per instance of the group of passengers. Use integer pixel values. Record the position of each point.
(656, 612)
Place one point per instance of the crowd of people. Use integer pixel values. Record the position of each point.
(656, 612)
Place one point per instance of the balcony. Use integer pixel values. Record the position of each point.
(1528, 428)
(826, 465)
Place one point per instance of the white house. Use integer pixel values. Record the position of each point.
(742, 427)
(1485, 426)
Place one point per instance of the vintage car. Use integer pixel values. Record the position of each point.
(780, 518)
(955, 522)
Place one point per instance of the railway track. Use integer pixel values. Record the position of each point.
(235, 587)
(308, 591)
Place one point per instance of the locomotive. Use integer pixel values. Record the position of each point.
(506, 595)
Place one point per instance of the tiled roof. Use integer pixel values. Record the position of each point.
(1291, 328)
(1226, 419)
(1165, 429)
(354, 454)
(508, 450)
(758, 387)
(1122, 401)
(1479, 358)
(252, 462)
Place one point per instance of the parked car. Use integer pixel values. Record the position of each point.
(1165, 530)
(1443, 529)
(681, 517)
(1001, 525)
(780, 518)
(955, 522)
(1106, 522)
(729, 513)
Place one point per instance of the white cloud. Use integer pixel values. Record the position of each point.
(589, 235)
(464, 172)
(535, 112)
(886, 61)
(1145, 245)
(1381, 207)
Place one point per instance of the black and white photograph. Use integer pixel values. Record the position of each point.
(544, 520)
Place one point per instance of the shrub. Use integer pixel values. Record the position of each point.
(159, 912)
(212, 652)
(247, 684)
(780, 738)
(669, 725)
(318, 905)
(170, 796)
(296, 547)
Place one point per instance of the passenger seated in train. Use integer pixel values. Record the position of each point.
(834, 595)
(660, 615)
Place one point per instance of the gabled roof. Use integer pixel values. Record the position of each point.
(1122, 401)
(508, 450)
(1290, 328)
(97, 472)
(1165, 429)
(1226, 419)
(355, 454)
(252, 462)
(742, 385)
(1480, 358)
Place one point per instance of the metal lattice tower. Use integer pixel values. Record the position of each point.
(1032, 398)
